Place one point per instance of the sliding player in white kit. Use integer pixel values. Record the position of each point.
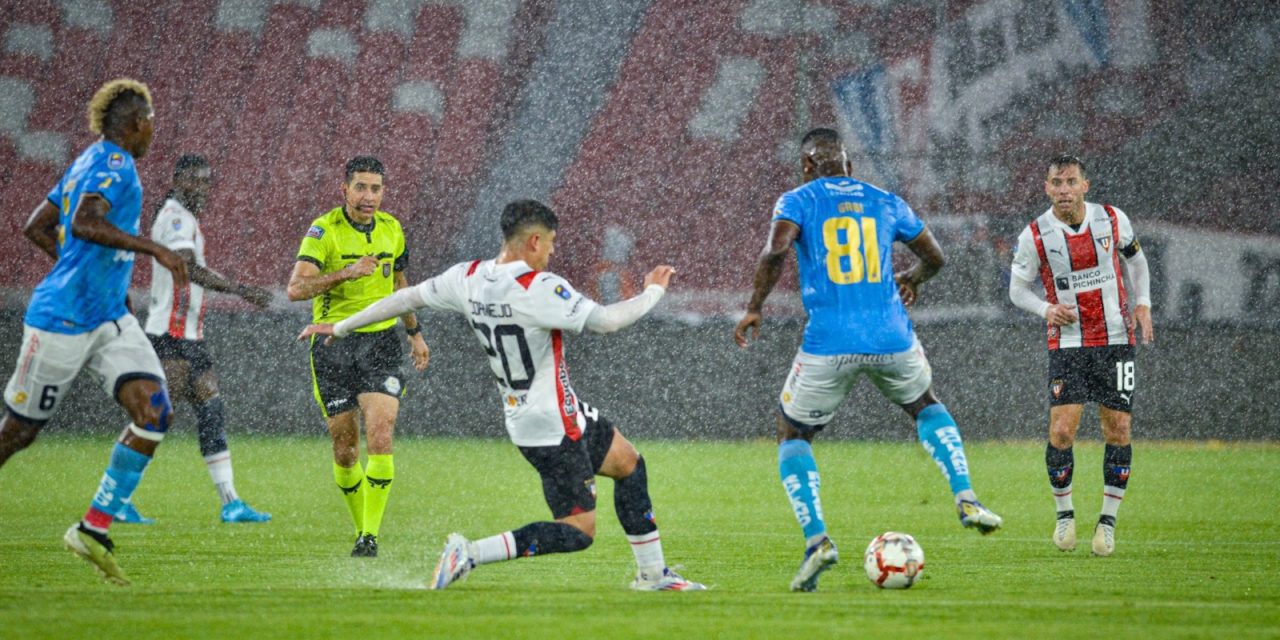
(1075, 249)
(175, 327)
(519, 313)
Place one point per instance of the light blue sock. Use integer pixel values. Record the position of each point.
(122, 477)
(800, 480)
(941, 438)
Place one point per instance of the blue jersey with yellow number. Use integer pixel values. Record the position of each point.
(845, 253)
(89, 282)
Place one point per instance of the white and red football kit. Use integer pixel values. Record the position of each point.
(520, 316)
(1081, 267)
(176, 312)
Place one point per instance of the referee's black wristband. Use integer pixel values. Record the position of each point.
(413, 332)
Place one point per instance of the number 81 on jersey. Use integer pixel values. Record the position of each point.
(852, 243)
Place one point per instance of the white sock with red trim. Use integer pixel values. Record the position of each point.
(648, 550)
(493, 549)
(1062, 499)
(1111, 497)
(223, 478)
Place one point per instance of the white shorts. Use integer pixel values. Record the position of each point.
(818, 384)
(49, 362)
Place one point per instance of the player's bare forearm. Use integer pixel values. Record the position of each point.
(782, 233)
(214, 281)
(90, 224)
(42, 228)
(768, 271)
(931, 259)
(207, 278)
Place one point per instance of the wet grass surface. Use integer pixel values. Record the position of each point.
(1197, 547)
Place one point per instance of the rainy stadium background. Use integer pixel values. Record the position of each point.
(662, 133)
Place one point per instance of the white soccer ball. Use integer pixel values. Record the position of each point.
(894, 561)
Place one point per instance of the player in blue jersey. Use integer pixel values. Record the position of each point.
(78, 317)
(843, 231)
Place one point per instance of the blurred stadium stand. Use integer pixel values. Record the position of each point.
(278, 95)
(664, 124)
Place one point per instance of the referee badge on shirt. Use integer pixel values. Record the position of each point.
(386, 269)
(316, 232)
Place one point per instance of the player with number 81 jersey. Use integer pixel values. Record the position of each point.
(847, 231)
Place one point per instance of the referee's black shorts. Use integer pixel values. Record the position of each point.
(359, 363)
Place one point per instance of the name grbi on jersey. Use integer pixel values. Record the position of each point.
(1082, 267)
(177, 312)
(519, 316)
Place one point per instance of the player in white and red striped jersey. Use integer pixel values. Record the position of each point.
(175, 326)
(520, 314)
(1079, 252)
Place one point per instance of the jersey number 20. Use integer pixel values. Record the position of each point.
(494, 341)
(846, 239)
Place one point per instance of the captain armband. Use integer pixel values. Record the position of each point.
(1131, 250)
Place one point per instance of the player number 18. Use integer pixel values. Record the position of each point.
(852, 243)
(1124, 376)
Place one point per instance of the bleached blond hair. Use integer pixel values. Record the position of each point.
(101, 102)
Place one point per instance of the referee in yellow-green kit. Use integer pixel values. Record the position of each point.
(351, 257)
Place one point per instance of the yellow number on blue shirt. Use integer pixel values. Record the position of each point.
(859, 245)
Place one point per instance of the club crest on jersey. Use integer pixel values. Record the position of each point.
(591, 486)
(1106, 243)
(392, 385)
(316, 232)
(1056, 387)
(177, 224)
(20, 397)
(115, 160)
(563, 292)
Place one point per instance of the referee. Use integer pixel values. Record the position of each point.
(351, 257)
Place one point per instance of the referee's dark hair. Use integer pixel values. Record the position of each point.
(522, 214)
(364, 164)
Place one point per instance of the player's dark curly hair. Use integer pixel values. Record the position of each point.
(364, 164)
(1066, 160)
(820, 135)
(522, 214)
(187, 162)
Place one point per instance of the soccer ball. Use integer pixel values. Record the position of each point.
(894, 561)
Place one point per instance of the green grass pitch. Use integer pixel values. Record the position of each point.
(1198, 547)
